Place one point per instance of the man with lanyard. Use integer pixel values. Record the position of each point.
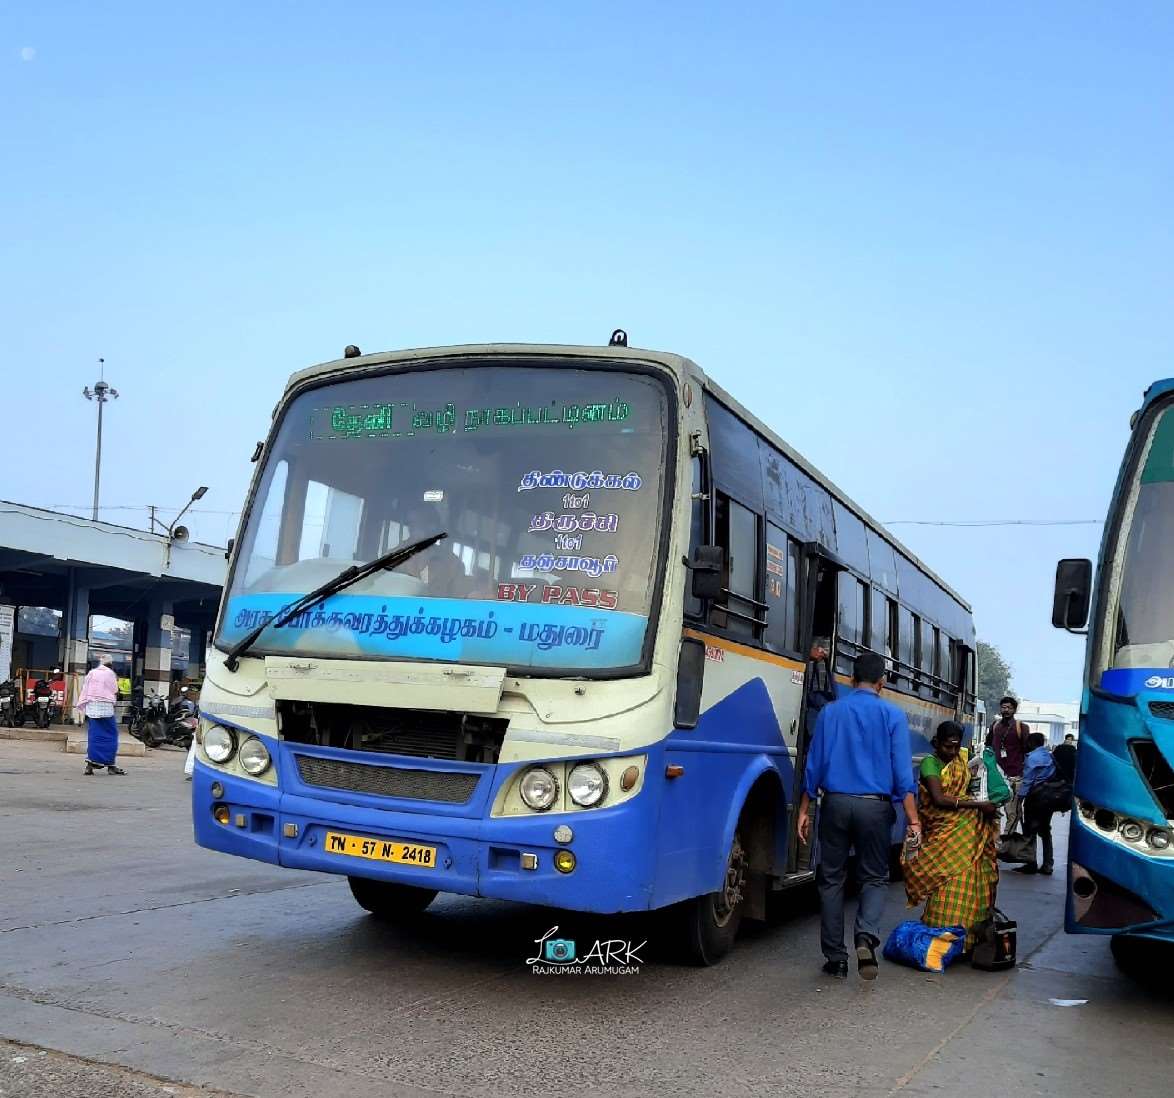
(861, 762)
(1007, 738)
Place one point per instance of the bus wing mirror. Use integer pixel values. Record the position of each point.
(690, 679)
(1070, 603)
(228, 548)
(707, 566)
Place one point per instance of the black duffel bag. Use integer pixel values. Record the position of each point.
(1054, 795)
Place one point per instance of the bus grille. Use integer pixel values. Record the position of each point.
(1157, 773)
(1165, 710)
(388, 781)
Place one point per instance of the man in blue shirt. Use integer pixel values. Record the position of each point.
(861, 761)
(1038, 767)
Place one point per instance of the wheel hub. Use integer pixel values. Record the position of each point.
(729, 896)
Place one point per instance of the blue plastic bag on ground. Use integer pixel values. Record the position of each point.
(929, 948)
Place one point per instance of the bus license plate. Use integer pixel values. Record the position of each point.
(381, 850)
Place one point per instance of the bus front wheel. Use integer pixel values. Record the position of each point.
(706, 926)
(390, 902)
(1145, 959)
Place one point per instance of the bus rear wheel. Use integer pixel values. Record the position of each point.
(706, 926)
(390, 902)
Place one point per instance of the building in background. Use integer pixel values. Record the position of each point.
(72, 589)
(1054, 719)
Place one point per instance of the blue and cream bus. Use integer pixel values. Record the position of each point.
(1121, 846)
(530, 622)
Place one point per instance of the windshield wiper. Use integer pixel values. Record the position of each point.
(389, 560)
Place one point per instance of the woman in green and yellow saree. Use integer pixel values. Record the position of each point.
(956, 870)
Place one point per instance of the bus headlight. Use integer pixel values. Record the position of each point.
(538, 788)
(254, 757)
(1132, 831)
(1158, 838)
(587, 784)
(219, 743)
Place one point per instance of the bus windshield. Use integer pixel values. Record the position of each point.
(549, 482)
(1142, 612)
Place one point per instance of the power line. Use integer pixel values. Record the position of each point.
(133, 507)
(995, 522)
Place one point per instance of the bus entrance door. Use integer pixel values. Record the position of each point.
(817, 619)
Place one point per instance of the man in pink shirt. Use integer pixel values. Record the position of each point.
(99, 693)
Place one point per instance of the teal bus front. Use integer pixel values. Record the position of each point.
(1121, 847)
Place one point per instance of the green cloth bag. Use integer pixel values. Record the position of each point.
(997, 789)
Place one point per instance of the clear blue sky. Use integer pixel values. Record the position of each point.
(932, 247)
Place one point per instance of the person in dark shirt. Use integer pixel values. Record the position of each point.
(1039, 767)
(861, 762)
(1065, 757)
(821, 687)
(1007, 738)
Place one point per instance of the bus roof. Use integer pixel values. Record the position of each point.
(1156, 390)
(678, 364)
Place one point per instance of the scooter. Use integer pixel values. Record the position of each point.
(45, 710)
(11, 709)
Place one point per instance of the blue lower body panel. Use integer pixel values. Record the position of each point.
(1128, 881)
(475, 856)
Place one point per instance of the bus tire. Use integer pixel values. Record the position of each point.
(705, 927)
(1149, 961)
(388, 901)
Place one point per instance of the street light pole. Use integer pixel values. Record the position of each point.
(101, 392)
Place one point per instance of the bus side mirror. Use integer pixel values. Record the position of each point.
(707, 566)
(690, 679)
(1070, 603)
(228, 548)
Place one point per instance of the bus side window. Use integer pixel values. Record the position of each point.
(737, 533)
(698, 521)
(851, 627)
(793, 589)
(782, 590)
(892, 632)
(937, 662)
(925, 659)
(915, 649)
(906, 644)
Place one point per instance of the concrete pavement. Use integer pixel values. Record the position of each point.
(123, 944)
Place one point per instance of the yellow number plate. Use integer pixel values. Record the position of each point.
(381, 850)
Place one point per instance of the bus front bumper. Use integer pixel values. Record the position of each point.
(614, 858)
(1114, 889)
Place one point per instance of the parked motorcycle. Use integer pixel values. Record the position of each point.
(11, 706)
(146, 719)
(182, 720)
(45, 708)
(155, 723)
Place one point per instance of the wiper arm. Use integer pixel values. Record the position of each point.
(348, 576)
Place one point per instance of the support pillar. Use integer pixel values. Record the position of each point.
(75, 659)
(157, 662)
(197, 652)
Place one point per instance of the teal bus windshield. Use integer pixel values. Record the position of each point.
(549, 482)
(1138, 614)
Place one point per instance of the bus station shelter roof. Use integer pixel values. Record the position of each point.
(44, 552)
